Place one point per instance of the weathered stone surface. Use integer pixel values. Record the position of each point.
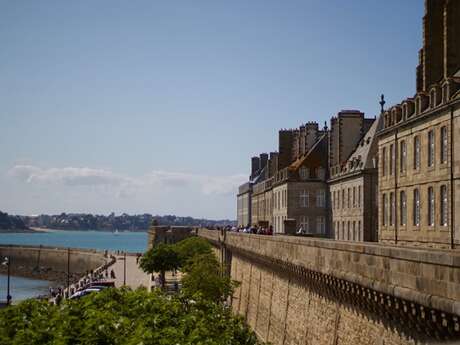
(284, 306)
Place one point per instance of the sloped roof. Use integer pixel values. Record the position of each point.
(298, 163)
(365, 151)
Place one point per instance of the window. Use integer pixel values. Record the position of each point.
(359, 196)
(348, 231)
(343, 230)
(392, 208)
(343, 198)
(384, 210)
(384, 161)
(444, 144)
(304, 198)
(348, 197)
(304, 173)
(403, 208)
(354, 197)
(320, 198)
(304, 224)
(416, 215)
(392, 158)
(403, 155)
(354, 231)
(416, 152)
(443, 203)
(321, 173)
(431, 148)
(360, 235)
(321, 225)
(430, 206)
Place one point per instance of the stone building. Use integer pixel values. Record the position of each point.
(243, 207)
(419, 165)
(300, 193)
(353, 190)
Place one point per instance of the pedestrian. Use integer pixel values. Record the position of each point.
(112, 274)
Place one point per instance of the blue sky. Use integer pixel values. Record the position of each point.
(157, 107)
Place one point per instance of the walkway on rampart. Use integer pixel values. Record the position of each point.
(135, 277)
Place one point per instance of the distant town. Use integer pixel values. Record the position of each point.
(112, 222)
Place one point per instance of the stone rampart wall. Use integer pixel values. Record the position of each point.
(307, 291)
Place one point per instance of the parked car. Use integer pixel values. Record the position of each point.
(80, 294)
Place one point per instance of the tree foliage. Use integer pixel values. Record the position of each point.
(122, 316)
(188, 248)
(161, 258)
(205, 278)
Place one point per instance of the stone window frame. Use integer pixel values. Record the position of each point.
(392, 209)
(304, 173)
(359, 196)
(431, 203)
(384, 209)
(384, 161)
(321, 198)
(431, 148)
(354, 197)
(321, 225)
(391, 165)
(417, 159)
(416, 208)
(443, 145)
(304, 198)
(402, 208)
(305, 221)
(443, 206)
(402, 157)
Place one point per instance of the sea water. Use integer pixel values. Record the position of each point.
(125, 241)
(22, 288)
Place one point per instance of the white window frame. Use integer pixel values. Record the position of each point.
(304, 198)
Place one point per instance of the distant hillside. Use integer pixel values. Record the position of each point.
(141, 222)
(8, 222)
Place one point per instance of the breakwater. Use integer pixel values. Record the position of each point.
(51, 263)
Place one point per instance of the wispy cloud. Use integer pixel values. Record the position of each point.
(125, 185)
(68, 176)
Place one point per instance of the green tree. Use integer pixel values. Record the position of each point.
(188, 248)
(122, 316)
(205, 278)
(160, 259)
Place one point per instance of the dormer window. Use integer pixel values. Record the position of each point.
(321, 173)
(304, 173)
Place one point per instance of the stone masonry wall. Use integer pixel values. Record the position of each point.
(283, 312)
(55, 259)
(297, 290)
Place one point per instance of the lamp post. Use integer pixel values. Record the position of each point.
(7, 261)
(124, 270)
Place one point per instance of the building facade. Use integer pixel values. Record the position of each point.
(243, 207)
(300, 193)
(353, 190)
(419, 165)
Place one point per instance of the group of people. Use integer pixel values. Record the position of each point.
(258, 230)
(102, 272)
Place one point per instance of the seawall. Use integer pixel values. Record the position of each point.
(51, 263)
(308, 291)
